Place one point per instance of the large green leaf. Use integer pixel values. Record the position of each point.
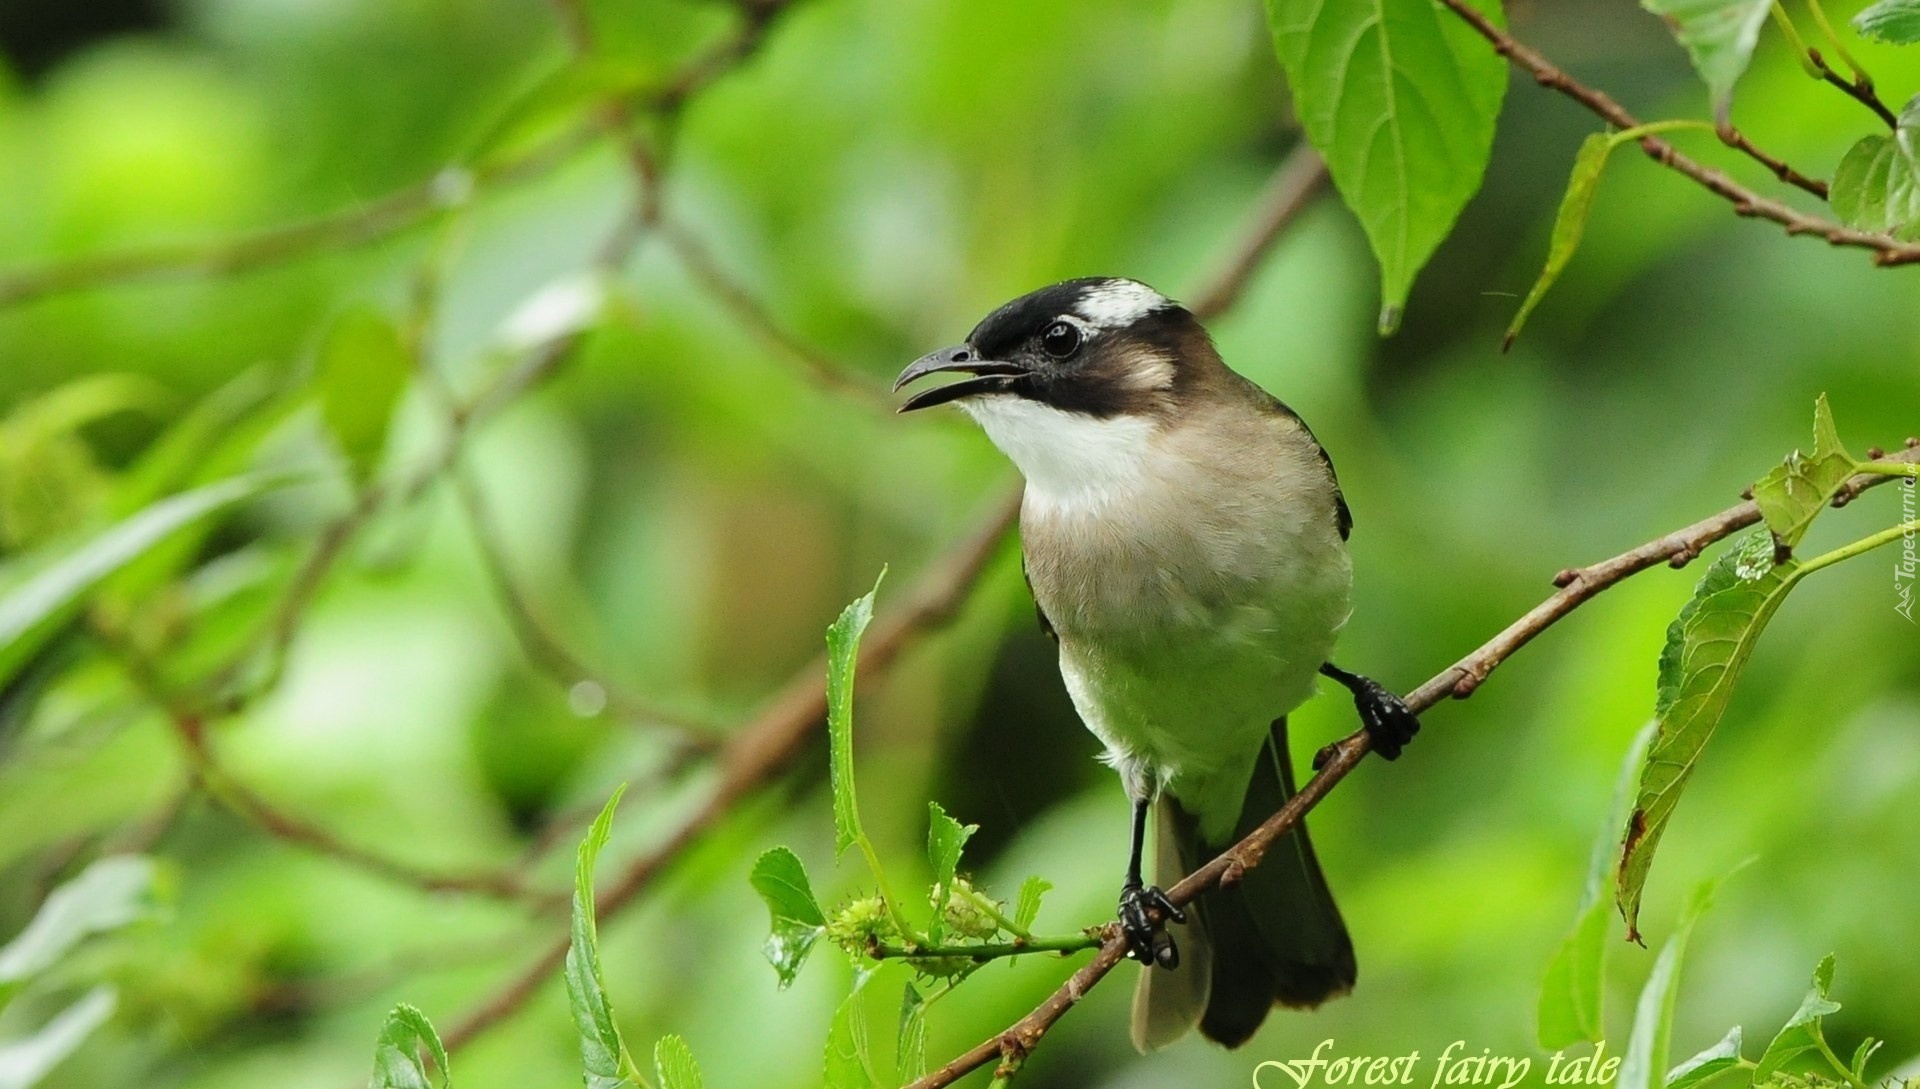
(1798, 489)
(843, 652)
(1570, 998)
(1719, 36)
(1401, 98)
(363, 370)
(396, 1058)
(1893, 21)
(603, 1051)
(1876, 187)
(1802, 1030)
(24, 1062)
(1707, 646)
(109, 894)
(797, 921)
(35, 608)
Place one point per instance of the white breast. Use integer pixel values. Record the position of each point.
(1195, 586)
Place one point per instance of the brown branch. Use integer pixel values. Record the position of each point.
(1296, 181)
(1887, 251)
(821, 369)
(1335, 761)
(1734, 138)
(768, 744)
(1859, 88)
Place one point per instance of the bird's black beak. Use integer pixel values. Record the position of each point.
(989, 376)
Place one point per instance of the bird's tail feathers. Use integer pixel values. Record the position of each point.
(1275, 937)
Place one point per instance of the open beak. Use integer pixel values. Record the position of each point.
(989, 376)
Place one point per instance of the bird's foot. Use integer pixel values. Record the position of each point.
(1148, 941)
(1390, 723)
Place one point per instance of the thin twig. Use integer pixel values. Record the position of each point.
(749, 311)
(1295, 182)
(1859, 88)
(1887, 251)
(1334, 762)
(1734, 138)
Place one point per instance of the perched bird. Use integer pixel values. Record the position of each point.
(1185, 540)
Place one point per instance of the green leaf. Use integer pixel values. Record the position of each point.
(603, 1051)
(1876, 187)
(843, 652)
(363, 370)
(1027, 906)
(1569, 225)
(910, 1053)
(1400, 97)
(1647, 1045)
(50, 482)
(396, 1058)
(1798, 489)
(946, 838)
(1802, 1030)
(1896, 22)
(1707, 647)
(1571, 997)
(33, 610)
(1710, 1063)
(673, 1064)
(111, 893)
(1719, 36)
(24, 1062)
(1862, 1055)
(796, 919)
(848, 1064)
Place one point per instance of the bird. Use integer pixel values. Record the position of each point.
(1185, 540)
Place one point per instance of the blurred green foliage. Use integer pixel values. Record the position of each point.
(668, 492)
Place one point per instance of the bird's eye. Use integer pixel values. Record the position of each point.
(1060, 340)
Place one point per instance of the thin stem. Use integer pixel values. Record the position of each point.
(991, 908)
(986, 951)
(1885, 468)
(913, 936)
(1860, 77)
(1859, 547)
(1845, 1072)
(1785, 22)
(1653, 128)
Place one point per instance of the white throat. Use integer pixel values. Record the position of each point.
(1071, 460)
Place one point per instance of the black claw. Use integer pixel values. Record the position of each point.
(1389, 721)
(1147, 940)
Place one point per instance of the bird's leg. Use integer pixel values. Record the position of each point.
(1148, 942)
(1388, 721)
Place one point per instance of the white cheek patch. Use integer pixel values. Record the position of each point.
(1069, 459)
(1119, 302)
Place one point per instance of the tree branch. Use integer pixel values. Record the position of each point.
(1296, 181)
(1887, 251)
(1576, 586)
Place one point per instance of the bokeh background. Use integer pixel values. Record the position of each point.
(688, 467)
